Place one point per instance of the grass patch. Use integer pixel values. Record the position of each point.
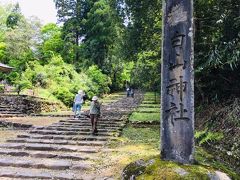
(148, 109)
(150, 102)
(144, 117)
(134, 144)
(143, 143)
(151, 98)
(150, 105)
(147, 135)
(151, 94)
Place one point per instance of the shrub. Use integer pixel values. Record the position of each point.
(205, 137)
(100, 82)
(64, 95)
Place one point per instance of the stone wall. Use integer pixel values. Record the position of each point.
(30, 104)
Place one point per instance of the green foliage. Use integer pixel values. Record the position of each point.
(61, 80)
(2, 50)
(144, 27)
(101, 31)
(205, 137)
(63, 94)
(52, 43)
(217, 49)
(20, 43)
(126, 74)
(100, 82)
(23, 84)
(1, 88)
(123, 38)
(205, 158)
(14, 17)
(142, 42)
(55, 76)
(142, 135)
(144, 117)
(73, 14)
(147, 62)
(148, 109)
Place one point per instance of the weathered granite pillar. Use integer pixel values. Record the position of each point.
(177, 94)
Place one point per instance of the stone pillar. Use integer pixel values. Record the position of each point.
(177, 93)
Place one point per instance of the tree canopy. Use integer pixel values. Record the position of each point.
(111, 42)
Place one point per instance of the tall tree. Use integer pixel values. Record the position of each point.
(144, 26)
(72, 13)
(101, 32)
(143, 41)
(21, 46)
(14, 17)
(52, 43)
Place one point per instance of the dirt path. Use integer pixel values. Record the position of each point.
(65, 149)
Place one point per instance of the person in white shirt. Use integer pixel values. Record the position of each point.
(78, 101)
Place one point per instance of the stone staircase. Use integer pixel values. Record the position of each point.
(8, 111)
(64, 150)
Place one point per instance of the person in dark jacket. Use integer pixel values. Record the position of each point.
(95, 112)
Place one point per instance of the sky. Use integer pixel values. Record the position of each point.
(43, 9)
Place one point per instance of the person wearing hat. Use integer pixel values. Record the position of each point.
(94, 114)
(78, 101)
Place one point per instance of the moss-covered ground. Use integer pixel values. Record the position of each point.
(134, 144)
(143, 143)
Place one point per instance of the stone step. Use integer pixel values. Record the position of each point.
(25, 173)
(10, 112)
(53, 115)
(114, 115)
(89, 125)
(82, 129)
(4, 106)
(43, 154)
(54, 164)
(75, 138)
(112, 119)
(89, 122)
(59, 142)
(116, 110)
(15, 125)
(7, 109)
(11, 115)
(84, 126)
(50, 147)
(46, 132)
